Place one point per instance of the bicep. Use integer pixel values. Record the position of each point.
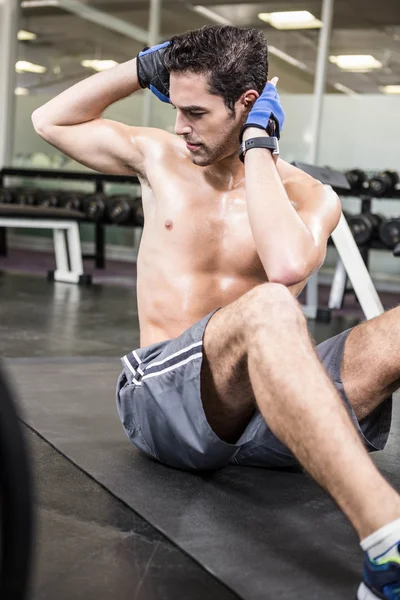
(103, 145)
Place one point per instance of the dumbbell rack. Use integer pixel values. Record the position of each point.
(339, 283)
(98, 179)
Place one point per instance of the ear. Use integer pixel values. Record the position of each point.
(248, 98)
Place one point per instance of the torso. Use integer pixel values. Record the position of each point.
(197, 251)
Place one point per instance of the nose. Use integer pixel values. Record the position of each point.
(182, 127)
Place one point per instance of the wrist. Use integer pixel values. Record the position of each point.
(252, 132)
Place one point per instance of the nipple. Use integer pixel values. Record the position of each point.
(168, 224)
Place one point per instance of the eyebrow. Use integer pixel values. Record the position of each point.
(191, 107)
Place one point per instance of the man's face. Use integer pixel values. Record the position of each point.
(210, 130)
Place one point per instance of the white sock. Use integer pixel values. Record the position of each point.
(382, 545)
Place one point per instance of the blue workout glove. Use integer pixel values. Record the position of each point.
(151, 71)
(267, 113)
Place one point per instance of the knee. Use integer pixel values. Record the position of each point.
(272, 305)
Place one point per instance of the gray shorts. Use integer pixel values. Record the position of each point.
(159, 404)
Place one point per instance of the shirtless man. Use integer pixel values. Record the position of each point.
(227, 372)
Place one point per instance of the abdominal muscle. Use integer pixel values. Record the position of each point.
(172, 297)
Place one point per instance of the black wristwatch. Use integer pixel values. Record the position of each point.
(270, 143)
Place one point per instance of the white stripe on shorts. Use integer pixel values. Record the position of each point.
(175, 366)
(160, 362)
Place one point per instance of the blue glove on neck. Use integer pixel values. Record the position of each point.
(267, 113)
(151, 71)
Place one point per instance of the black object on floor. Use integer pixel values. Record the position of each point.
(265, 534)
(16, 499)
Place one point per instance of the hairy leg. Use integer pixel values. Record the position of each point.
(265, 330)
(371, 362)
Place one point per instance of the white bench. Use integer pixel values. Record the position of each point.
(67, 244)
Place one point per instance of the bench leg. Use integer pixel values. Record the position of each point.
(75, 249)
(338, 287)
(356, 270)
(63, 272)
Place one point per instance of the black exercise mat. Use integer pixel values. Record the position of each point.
(265, 534)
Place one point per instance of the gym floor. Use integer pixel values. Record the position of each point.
(90, 544)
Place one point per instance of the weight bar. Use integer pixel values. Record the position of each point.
(125, 210)
(365, 227)
(95, 207)
(6, 196)
(384, 183)
(47, 199)
(389, 233)
(25, 197)
(71, 201)
(16, 497)
(138, 212)
(357, 179)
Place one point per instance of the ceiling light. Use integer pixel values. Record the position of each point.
(344, 89)
(390, 89)
(356, 62)
(38, 3)
(99, 65)
(295, 19)
(23, 66)
(23, 35)
(19, 91)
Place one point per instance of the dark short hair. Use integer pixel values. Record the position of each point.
(235, 59)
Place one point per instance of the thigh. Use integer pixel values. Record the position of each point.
(226, 391)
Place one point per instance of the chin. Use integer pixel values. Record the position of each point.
(202, 161)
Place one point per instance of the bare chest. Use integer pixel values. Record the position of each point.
(205, 231)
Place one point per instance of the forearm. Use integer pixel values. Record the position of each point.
(88, 99)
(284, 243)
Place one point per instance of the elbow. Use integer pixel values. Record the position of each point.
(286, 277)
(39, 123)
(292, 273)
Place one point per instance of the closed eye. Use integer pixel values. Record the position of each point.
(192, 113)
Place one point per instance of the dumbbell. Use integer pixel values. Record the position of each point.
(384, 183)
(71, 201)
(6, 196)
(25, 197)
(389, 233)
(364, 227)
(138, 214)
(94, 207)
(47, 199)
(124, 210)
(357, 179)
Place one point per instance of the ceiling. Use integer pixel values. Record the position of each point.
(359, 27)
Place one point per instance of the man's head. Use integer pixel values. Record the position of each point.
(216, 73)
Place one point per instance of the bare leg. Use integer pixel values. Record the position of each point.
(296, 398)
(371, 362)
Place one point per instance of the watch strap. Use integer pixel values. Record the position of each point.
(269, 143)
